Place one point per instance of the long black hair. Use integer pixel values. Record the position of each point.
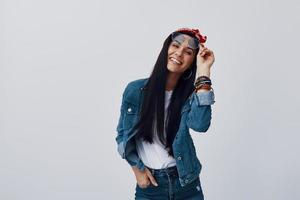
(153, 106)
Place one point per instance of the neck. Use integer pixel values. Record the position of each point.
(172, 79)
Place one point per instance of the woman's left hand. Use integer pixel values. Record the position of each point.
(205, 57)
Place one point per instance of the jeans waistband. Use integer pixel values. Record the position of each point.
(164, 172)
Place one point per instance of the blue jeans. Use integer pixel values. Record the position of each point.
(169, 187)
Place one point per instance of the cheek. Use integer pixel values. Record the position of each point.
(170, 49)
(189, 59)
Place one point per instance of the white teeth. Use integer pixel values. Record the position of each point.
(176, 61)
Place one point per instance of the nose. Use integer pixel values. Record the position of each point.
(179, 51)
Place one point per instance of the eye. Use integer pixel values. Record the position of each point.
(189, 52)
(175, 45)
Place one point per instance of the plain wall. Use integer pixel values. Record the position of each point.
(64, 65)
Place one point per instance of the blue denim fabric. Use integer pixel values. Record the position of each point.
(195, 114)
(169, 187)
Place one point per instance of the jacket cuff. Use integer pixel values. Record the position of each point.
(139, 164)
(204, 98)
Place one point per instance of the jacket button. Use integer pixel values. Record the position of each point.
(129, 109)
(179, 158)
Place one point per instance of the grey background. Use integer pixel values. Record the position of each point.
(64, 65)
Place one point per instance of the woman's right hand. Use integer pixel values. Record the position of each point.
(144, 178)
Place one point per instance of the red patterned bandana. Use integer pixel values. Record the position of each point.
(195, 32)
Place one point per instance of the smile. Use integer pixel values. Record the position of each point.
(175, 61)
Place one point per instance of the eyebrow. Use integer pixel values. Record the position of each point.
(190, 48)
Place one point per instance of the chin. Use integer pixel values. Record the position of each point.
(175, 69)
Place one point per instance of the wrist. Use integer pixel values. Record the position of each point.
(136, 170)
(202, 90)
(203, 71)
(202, 83)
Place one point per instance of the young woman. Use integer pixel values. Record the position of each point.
(157, 113)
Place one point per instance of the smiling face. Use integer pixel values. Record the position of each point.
(180, 54)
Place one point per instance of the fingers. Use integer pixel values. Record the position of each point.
(152, 179)
(144, 184)
(202, 49)
(205, 51)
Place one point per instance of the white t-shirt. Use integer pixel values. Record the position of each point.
(154, 155)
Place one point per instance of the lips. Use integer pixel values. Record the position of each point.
(174, 60)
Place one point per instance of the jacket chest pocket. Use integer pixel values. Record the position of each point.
(130, 115)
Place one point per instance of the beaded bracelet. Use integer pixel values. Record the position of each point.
(202, 82)
(203, 86)
(202, 79)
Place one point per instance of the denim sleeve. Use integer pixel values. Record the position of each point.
(132, 158)
(120, 129)
(199, 117)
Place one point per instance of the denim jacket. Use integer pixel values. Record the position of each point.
(195, 114)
